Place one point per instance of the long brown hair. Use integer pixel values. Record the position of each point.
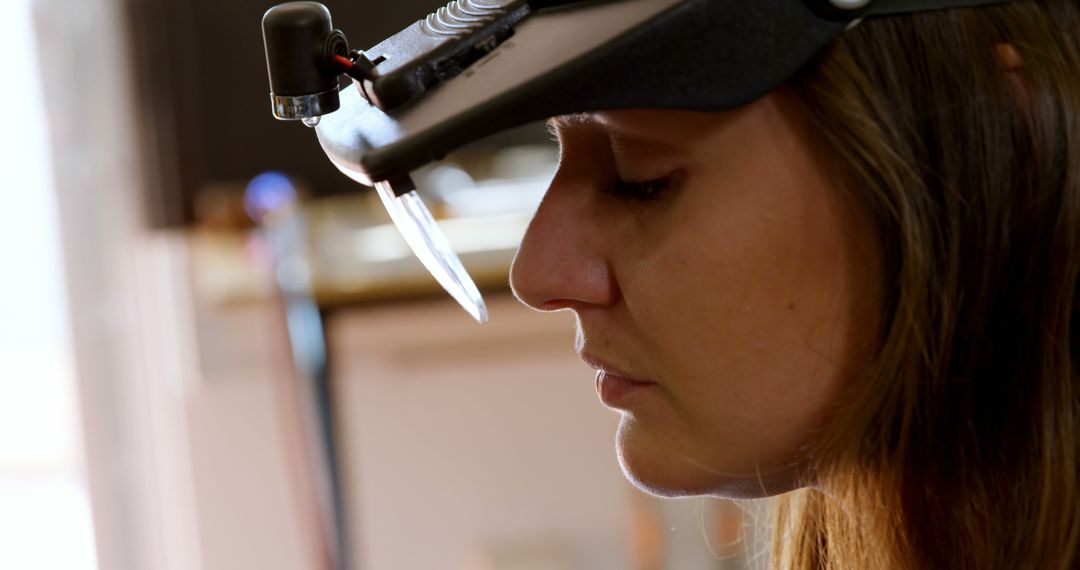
(959, 448)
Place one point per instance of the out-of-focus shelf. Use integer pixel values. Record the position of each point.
(344, 250)
(375, 263)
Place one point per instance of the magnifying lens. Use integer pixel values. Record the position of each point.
(431, 247)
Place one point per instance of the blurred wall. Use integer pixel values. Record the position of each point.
(44, 501)
(472, 447)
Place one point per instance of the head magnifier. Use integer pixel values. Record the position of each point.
(477, 67)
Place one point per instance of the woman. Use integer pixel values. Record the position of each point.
(859, 291)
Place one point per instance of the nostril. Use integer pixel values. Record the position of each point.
(555, 305)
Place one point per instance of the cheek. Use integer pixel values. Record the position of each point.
(761, 284)
(750, 327)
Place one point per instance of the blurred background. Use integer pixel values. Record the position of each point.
(182, 388)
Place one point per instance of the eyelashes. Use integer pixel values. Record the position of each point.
(643, 191)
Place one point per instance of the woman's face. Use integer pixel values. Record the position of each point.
(738, 286)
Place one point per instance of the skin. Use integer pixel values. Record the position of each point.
(746, 293)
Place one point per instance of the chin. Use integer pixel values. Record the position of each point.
(659, 468)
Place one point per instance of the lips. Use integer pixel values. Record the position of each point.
(603, 366)
(615, 387)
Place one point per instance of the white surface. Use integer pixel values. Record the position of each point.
(461, 439)
(45, 519)
(126, 290)
(247, 514)
(45, 524)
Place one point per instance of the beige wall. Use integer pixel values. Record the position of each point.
(465, 442)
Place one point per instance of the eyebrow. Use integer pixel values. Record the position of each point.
(563, 122)
(621, 134)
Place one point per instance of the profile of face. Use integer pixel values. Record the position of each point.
(725, 284)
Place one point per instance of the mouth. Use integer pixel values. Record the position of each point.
(616, 389)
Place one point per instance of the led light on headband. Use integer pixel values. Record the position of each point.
(477, 67)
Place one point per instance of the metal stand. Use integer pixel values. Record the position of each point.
(286, 232)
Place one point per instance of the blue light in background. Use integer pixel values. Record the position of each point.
(268, 192)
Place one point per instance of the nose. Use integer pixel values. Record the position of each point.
(563, 260)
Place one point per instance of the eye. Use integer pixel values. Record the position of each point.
(639, 191)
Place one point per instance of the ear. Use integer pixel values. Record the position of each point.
(1011, 64)
(1008, 58)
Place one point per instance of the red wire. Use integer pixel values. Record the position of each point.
(344, 61)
